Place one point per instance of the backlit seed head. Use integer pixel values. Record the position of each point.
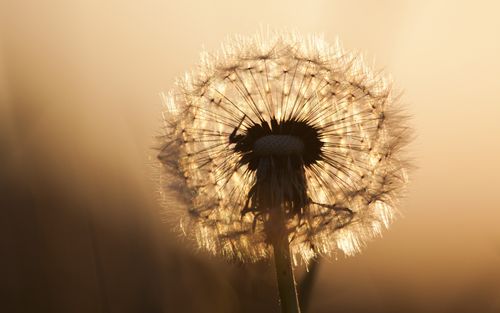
(281, 123)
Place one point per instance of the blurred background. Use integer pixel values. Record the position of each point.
(80, 227)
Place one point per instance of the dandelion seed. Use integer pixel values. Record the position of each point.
(283, 137)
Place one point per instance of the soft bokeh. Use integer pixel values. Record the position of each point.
(80, 229)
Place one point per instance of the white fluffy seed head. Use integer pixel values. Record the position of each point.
(283, 76)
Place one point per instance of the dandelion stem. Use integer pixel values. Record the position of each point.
(284, 274)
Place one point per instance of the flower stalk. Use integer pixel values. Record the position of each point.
(284, 272)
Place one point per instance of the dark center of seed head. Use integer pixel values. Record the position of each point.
(279, 145)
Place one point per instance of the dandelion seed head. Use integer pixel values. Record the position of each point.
(281, 122)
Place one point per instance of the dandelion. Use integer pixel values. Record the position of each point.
(284, 146)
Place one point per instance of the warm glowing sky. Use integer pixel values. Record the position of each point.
(85, 76)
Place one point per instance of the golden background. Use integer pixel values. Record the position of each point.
(79, 106)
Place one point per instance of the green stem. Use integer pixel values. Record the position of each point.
(284, 274)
